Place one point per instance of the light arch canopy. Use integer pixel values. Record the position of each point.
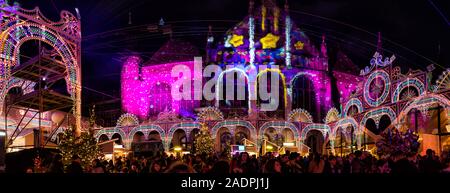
(344, 123)
(186, 127)
(376, 113)
(220, 85)
(146, 130)
(353, 102)
(410, 82)
(278, 125)
(20, 25)
(231, 123)
(323, 128)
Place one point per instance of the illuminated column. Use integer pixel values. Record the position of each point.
(360, 134)
(251, 34)
(288, 37)
(166, 144)
(332, 146)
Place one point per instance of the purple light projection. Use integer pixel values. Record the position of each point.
(148, 93)
(346, 84)
(321, 82)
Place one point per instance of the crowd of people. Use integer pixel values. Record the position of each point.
(291, 162)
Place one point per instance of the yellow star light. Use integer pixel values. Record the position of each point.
(269, 41)
(237, 40)
(299, 45)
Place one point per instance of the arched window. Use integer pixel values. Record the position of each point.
(304, 96)
(315, 141)
(236, 101)
(161, 99)
(280, 112)
(117, 136)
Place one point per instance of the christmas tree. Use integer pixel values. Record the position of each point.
(84, 146)
(204, 142)
(396, 141)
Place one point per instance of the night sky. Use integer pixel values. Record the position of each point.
(415, 31)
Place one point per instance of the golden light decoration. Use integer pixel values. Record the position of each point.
(263, 19)
(269, 41)
(237, 40)
(283, 80)
(299, 45)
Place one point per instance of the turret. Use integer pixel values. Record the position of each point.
(323, 48)
(379, 45)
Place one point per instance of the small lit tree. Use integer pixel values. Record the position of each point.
(203, 141)
(85, 146)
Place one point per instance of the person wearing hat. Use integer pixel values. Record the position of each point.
(75, 166)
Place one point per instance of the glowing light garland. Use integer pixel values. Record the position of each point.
(288, 41)
(283, 81)
(278, 126)
(233, 123)
(23, 25)
(219, 86)
(376, 115)
(385, 92)
(323, 128)
(414, 82)
(297, 114)
(353, 102)
(332, 115)
(251, 34)
(127, 119)
(210, 114)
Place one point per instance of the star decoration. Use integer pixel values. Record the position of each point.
(237, 40)
(299, 45)
(269, 41)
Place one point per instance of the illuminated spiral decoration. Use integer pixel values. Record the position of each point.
(376, 88)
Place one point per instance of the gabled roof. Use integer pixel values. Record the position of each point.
(173, 51)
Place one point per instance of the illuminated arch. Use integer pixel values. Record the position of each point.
(278, 125)
(345, 122)
(376, 115)
(323, 128)
(127, 119)
(414, 82)
(146, 130)
(219, 87)
(350, 103)
(300, 115)
(186, 127)
(229, 123)
(283, 82)
(210, 114)
(20, 25)
(291, 83)
(110, 132)
(422, 101)
(443, 83)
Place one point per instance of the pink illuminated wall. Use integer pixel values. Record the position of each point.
(321, 83)
(346, 84)
(148, 93)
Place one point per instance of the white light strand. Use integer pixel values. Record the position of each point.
(288, 41)
(251, 34)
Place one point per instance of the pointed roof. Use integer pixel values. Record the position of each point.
(345, 64)
(174, 50)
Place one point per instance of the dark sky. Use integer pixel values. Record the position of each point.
(411, 29)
